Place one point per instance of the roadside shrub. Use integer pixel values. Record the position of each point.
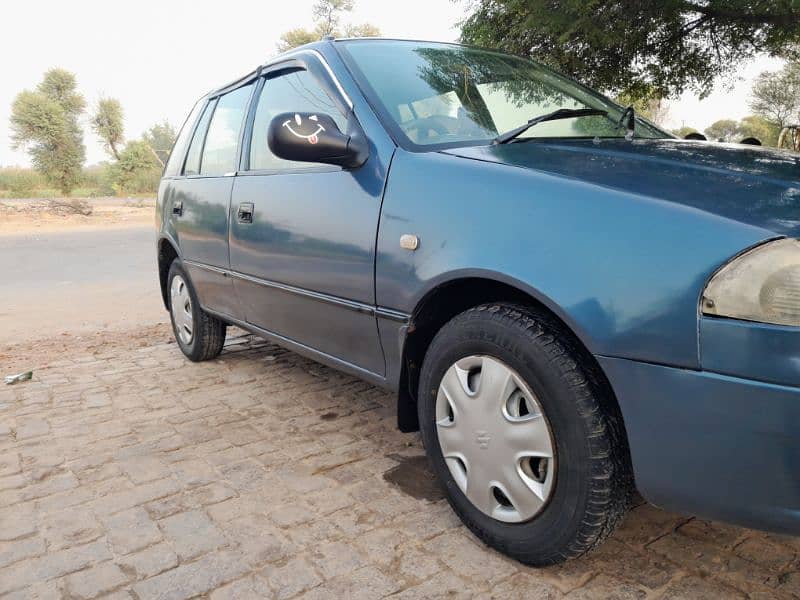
(137, 170)
(98, 180)
(20, 183)
(141, 182)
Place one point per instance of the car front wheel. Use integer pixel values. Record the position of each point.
(529, 451)
(200, 335)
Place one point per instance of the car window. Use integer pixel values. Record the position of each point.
(222, 141)
(296, 91)
(192, 164)
(178, 151)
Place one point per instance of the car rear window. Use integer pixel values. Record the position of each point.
(222, 141)
(192, 164)
(179, 147)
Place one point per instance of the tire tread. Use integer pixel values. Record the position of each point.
(209, 331)
(610, 479)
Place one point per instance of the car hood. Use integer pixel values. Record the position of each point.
(754, 185)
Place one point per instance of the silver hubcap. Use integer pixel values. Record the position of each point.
(495, 439)
(181, 309)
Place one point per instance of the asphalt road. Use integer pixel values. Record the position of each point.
(77, 282)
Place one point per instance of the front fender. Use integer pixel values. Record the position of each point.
(624, 270)
(432, 285)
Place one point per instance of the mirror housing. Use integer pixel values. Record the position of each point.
(315, 137)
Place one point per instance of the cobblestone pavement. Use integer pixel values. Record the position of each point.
(129, 472)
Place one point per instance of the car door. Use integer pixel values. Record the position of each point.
(302, 241)
(201, 199)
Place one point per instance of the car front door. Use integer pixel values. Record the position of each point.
(201, 199)
(302, 239)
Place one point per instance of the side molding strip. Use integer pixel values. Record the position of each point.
(360, 307)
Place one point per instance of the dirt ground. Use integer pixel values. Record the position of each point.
(35, 215)
(27, 354)
(70, 273)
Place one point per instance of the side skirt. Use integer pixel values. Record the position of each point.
(307, 351)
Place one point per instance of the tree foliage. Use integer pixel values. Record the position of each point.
(362, 30)
(298, 37)
(729, 130)
(160, 137)
(45, 122)
(760, 128)
(724, 130)
(107, 124)
(138, 165)
(776, 95)
(642, 48)
(137, 169)
(683, 131)
(327, 16)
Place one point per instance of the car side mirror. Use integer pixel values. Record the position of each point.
(315, 137)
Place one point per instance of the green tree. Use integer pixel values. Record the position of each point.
(363, 30)
(760, 128)
(45, 123)
(327, 17)
(682, 132)
(297, 37)
(160, 137)
(776, 95)
(107, 124)
(137, 169)
(642, 48)
(724, 130)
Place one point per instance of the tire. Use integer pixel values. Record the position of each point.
(582, 491)
(202, 336)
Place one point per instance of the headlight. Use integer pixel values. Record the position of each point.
(760, 285)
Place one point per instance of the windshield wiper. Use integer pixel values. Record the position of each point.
(561, 113)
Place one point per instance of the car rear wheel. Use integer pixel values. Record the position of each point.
(199, 335)
(529, 451)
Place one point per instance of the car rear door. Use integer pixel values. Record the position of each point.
(201, 199)
(302, 240)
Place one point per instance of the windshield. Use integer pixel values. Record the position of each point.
(447, 95)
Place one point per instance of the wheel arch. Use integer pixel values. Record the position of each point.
(450, 297)
(167, 253)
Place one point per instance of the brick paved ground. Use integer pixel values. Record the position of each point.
(129, 472)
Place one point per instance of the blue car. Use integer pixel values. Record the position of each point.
(570, 303)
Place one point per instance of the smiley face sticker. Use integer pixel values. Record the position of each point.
(298, 124)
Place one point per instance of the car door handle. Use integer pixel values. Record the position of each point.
(177, 208)
(245, 213)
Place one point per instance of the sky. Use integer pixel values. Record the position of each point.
(158, 57)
